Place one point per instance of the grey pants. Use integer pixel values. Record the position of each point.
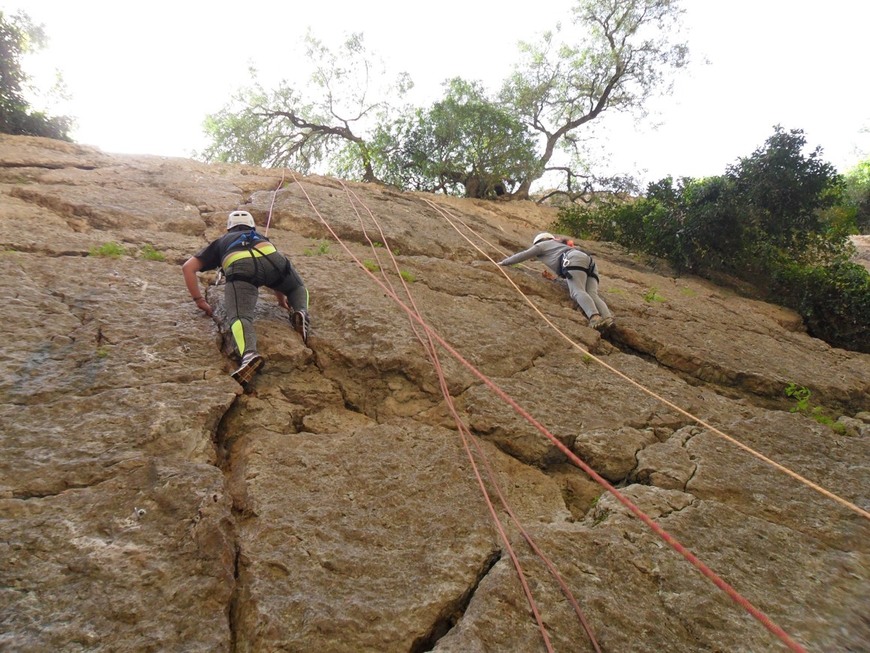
(244, 278)
(584, 288)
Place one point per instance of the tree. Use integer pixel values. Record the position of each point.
(625, 59)
(767, 222)
(783, 191)
(282, 128)
(466, 142)
(19, 36)
(463, 143)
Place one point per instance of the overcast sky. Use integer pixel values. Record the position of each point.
(143, 76)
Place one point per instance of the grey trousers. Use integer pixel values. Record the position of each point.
(584, 289)
(244, 278)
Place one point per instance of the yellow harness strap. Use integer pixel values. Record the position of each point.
(260, 249)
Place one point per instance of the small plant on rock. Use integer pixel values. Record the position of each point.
(149, 253)
(801, 395)
(322, 248)
(652, 295)
(109, 250)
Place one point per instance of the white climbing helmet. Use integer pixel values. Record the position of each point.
(240, 217)
(544, 235)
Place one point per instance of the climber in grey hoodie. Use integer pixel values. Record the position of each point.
(578, 270)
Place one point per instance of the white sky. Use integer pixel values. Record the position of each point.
(143, 76)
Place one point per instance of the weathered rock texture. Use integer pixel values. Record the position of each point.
(146, 504)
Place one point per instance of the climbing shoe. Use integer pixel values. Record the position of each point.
(301, 324)
(596, 322)
(251, 362)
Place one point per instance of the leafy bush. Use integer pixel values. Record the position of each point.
(857, 195)
(834, 300)
(778, 219)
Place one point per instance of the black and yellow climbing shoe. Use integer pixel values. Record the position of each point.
(251, 362)
(301, 324)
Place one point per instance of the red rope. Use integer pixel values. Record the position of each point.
(814, 486)
(658, 530)
(429, 348)
(464, 432)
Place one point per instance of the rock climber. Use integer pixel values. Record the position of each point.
(249, 261)
(576, 267)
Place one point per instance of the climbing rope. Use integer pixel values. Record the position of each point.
(635, 510)
(465, 435)
(818, 488)
(274, 194)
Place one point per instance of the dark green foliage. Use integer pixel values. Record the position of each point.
(463, 144)
(833, 299)
(690, 224)
(857, 196)
(19, 36)
(776, 220)
(782, 191)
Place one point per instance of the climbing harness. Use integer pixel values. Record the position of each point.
(257, 251)
(249, 244)
(433, 336)
(565, 266)
(246, 240)
(785, 470)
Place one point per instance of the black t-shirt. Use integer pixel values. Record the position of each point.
(212, 254)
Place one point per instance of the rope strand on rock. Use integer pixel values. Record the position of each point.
(782, 468)
(431, 352)
(274, 194)
(464, 432)
(634, 509)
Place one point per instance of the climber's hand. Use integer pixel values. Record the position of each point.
(204, 306)
(282, 300)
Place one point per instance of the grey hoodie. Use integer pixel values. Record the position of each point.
(549, 252)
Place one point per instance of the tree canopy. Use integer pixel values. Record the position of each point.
(626, 57)
(285, 128)
(19, 36)
(464, 143)
(618, 54)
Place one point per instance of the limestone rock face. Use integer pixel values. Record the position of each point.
(148, 504)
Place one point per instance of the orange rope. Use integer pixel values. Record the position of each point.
(698, 420)
(646, 519)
